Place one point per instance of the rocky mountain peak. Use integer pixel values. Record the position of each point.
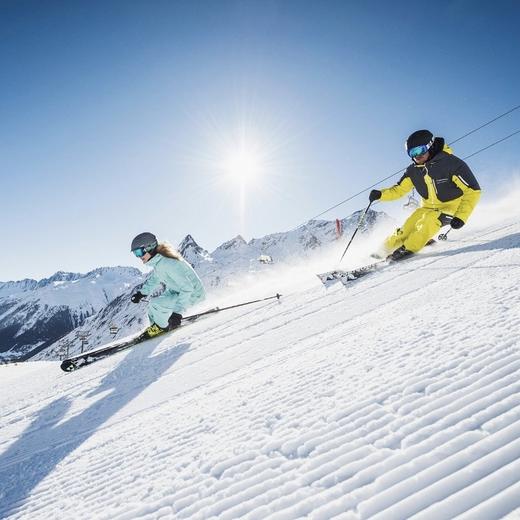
(234, 243)
(187, 242)
(192, 252)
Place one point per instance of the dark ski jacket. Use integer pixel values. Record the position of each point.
(444, 182)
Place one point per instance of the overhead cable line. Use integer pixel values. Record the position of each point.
(492, 144)
(485, 124)
(403, 169)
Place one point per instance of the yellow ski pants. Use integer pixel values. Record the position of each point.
(419, 227)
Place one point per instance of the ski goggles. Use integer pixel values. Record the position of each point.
(416, 151)
(139, 252)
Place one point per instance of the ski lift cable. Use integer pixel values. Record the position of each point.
(403, 169)
(491, 145)
(485, 124)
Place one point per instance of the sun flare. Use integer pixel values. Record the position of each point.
(242, 165)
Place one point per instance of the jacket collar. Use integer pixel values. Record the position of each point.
(154, 260)
(439, 157)
(437, 147)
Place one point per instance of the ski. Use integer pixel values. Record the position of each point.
(339, 275)
(86, 358)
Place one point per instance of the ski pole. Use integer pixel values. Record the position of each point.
(356, 230)
(218, 309)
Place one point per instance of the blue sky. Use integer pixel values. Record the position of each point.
(124, 116)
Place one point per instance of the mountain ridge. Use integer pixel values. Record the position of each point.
(33, 314)
(58, 321)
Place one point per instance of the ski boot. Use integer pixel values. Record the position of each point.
(174, 321)
(399, 254)
(151, 332)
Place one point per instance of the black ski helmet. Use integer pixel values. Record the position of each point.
(147, 241)
(419, 138)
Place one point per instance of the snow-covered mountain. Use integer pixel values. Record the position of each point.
(120, 313)
(237, 256)
(396, 397)
(33, 314)
(42, 318)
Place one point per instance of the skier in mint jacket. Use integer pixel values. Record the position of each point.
(183, 287)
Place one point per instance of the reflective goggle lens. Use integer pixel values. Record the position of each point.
(139, 252)
(418, 150)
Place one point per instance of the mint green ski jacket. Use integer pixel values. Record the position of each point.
(183, 287)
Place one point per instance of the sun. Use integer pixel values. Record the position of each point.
(242, 164)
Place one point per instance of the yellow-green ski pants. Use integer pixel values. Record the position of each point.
(419, 227)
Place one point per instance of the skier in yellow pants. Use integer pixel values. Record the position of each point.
(448, 189)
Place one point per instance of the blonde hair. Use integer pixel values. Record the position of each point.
(168, 251)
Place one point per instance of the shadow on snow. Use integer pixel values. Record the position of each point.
(48, 441)
(507, 242)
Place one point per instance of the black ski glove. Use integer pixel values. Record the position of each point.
(174, 321)
(374, 195)
(456, 223)
(137, 297)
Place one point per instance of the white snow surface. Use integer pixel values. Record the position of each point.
(395, 397)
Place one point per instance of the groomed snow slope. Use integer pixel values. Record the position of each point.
(397, 397)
